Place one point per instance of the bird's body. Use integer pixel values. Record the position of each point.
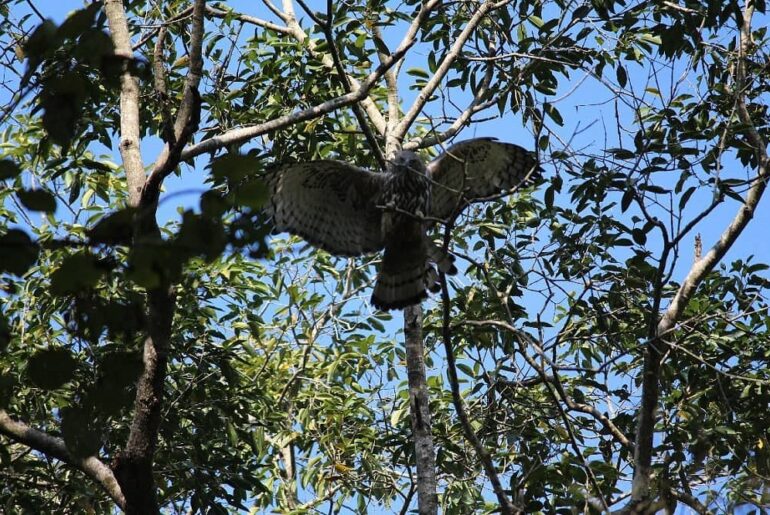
(406, 272)
(349, 211)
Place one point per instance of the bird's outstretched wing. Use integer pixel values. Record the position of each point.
(331, 204)
(477, 169)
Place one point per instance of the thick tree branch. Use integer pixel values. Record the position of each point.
(55, 448)
(656, 349)
(134, 466)
(130, 150)
(419, 407)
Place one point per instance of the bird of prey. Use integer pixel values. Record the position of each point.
(349, 211)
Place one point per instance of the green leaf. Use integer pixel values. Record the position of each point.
(62, 101)
(418, 72)
(234, 167)
(381, 46)
(114, 229)
(8, 169)
(37, 200)
(51, 368)
(232, 434)
(253, 194)
(77, 272)
(17, 252)
(78, 22)
(554, 114)
(621, 153)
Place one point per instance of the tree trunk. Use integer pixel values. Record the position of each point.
(427, 501)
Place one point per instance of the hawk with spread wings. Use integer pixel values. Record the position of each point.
(349, 211)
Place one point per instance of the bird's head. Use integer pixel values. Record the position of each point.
(406, 161)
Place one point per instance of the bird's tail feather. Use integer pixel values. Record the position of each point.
(407, 272)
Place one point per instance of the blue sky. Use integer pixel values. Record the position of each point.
(588, 110)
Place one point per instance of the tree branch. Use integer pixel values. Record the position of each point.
(55, 448)
(245, 18)
(656, 349)
(419, 407)
(130, 150)
(554, 379)
(506, 506)
(134, 466)
(245, 133)
(443, 68)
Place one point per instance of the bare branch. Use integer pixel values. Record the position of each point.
(270, 5)
(419, 408)
(699, 270)
(218, 13)
(506, 506)
(443, 68)
(130, 150)
(55, 448)
(246, 133)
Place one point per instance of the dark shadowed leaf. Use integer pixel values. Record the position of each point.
(76, 273)
(253, 194)
(80, 434)
(17, 252)
(8, 169)
(115, 228)
(233, 167)
(5, 333)
(37, 200)
(51, 368)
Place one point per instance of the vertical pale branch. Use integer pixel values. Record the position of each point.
(419, 399)
(415, 349)
(134, 466)
(130, 150)
(419, 407)
(643, 449)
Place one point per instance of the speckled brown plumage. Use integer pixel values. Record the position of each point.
(350, 211)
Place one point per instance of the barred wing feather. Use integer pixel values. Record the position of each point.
(331, 204)
(476, 169)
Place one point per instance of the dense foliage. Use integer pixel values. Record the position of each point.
(284, 391)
